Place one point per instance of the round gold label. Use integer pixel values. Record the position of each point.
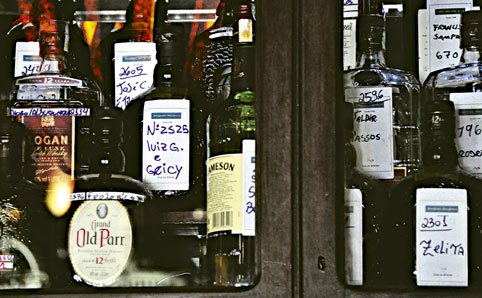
(100, 241)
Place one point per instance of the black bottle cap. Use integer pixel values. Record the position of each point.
(471, 28)
(370, 30)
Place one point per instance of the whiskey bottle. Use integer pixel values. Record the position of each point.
(101, 233)
(55, 106)
(128, 55)
(462, 85)
(24, 220)
(362, 206)
(385, 108)
(430, 214)
(231, 173)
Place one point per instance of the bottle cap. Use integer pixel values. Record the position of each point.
(370, 30)
(471, 28)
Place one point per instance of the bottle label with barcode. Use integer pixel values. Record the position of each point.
(231, 192)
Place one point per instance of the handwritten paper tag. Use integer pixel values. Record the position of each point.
(353, 237)
(350, 13)
(468, 111)
(441, 237)
(249, 177)
(373, 132)
(27, 58)
(134, 64)
(166, 144)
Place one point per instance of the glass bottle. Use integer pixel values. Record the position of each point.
(231, 174)
(386, 108)
(55, 106)
(24, 220)
(462, 85)
(101, 234)
(431, 216)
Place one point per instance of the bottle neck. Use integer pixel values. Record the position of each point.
(53, 63)
(440, 151)
(471, 54)
(371, 58)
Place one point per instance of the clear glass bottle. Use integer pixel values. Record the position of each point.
(231, 172)
(386, 108)
(24, 220)
(432, 216)
(101, 237)
(55, 105)
(462, 85)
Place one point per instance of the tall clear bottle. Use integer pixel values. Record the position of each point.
(462, 85)
(386, 108)
(55, 105)
(433, 216)
(231, 171)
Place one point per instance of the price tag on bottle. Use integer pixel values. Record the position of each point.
(468, 134)
(373, 130)
(439, 35)
(134, 64)
(27, 58)
(353, 237)
(441, 237)
(249, 177)
(166, 144)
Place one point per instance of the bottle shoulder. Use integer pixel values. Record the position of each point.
(455, 77)
(380, 77)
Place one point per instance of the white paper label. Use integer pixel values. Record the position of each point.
(441, 237)
(6, 262)
(349, 44)
(100, 241)
(468, 111)
(166, 144)
(439, 35)
(36, 112)
(134, 64)
(107, 195)
(27, 58)
(245, 27)
(249, 177)
(373, 132)
(353, 237)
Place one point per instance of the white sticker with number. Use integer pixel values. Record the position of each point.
(372, 128)
(27, 58)
(468, 111)
(249, 175)
(134, 64)
(441, 237)
(353, 237)
(166, 144)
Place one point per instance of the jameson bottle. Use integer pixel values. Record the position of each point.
(463, 85)
(24, 220)
(362, 206)
(54, 106)
(210, 60)
(386, 108)
(433, 215)
(231, 174)
(101, 233)
(128, 55)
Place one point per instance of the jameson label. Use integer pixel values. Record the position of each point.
(468, 131)
(230, 200)
(54, 143)
(372, 130)
(27, 59)
(134, 64)
(353, 237)
(439, 34)
(441, 237)
(166, 144)
(100, 241)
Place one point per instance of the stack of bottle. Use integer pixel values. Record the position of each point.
(143, 178)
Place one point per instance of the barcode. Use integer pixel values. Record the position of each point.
(222, 219)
